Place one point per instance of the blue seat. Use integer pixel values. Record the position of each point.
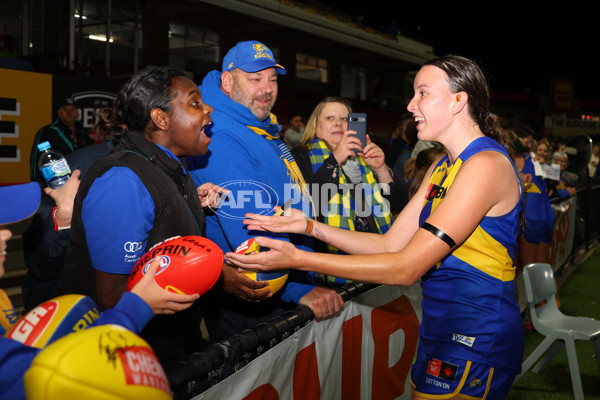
(560, 330)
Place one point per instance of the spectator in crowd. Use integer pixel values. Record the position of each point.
(518, 150)
(458, 235)
(542, 152)
(99, 132)
(45, 243)
(559, 147)
(526, 137)
(247, 154)
(366, 193)
(133, 310)
(420, 146)
(570, 178)
(406, 153)
(420, 166)
(398, 140)
(538, 214)
(565, 187)
(65, 135)
(594, 159)
(45, 240)
(293, 133)
(140, 195)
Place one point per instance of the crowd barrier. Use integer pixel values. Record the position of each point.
(366, 350)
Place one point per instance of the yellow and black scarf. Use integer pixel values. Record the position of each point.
(341, 208)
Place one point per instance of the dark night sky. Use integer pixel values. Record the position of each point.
(520, 50)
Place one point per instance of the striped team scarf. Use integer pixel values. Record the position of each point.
(340, 209)
(271, 132)
(341, 212)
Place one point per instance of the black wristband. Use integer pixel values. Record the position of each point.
(440, 234)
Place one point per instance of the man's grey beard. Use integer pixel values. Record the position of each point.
(260, 113)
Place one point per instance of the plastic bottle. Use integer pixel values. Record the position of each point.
(53, 166)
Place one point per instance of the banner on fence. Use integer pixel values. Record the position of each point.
(364, 352)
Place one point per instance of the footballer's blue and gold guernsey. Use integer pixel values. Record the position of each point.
(539, 216)
(469, 297)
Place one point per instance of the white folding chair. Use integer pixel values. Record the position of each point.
(560, 330)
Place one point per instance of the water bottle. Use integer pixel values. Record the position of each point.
(53, 166)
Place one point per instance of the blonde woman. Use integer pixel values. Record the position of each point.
(351, 185)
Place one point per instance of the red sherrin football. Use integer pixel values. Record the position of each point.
(189, 264)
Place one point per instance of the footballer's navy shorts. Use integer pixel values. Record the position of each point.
(443, 377)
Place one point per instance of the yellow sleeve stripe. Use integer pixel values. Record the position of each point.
(485, 253)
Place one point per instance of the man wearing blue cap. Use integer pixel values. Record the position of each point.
(248, 157)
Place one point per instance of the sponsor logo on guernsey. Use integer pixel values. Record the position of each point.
(466, 340)
(435, 191)
(132, 250)
(436, 383)
(442, 369)
(132, 247)
(131, 258)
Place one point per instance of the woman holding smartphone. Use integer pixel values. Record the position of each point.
(458, 235)
(350, 183)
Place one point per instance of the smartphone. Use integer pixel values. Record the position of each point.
(358, 122)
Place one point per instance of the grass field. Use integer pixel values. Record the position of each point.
(579, 296)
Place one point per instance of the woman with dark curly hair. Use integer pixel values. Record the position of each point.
(139, 195)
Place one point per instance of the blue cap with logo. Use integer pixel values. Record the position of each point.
(19, 202)
(251, 56)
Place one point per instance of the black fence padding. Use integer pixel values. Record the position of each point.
(202, 370)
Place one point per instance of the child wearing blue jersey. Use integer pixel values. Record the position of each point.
(458, 235)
